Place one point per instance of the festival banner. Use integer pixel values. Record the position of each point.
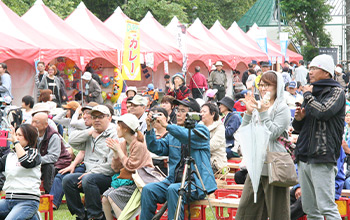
(284, 43)
(261, 39)
(131, 58)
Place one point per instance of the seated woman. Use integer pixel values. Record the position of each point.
(129, 155)
(210, 118)
(22, 170)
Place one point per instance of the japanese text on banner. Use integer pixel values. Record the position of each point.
(131, 57)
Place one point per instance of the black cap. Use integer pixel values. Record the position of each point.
(265, 63)
(228, 102)
(189, 102)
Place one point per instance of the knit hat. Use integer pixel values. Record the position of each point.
(178, 75)
(228, 102)
(324, 62)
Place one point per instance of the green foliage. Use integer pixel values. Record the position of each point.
(102, 8)
(310, 16)
(62, 8)
(162, 10)
(309, 51)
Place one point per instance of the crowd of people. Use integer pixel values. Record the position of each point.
(103, 148)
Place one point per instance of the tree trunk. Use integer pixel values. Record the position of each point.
(347, 12)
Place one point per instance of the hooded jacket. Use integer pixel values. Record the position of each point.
(278, 120)
(321, 130)
(98, 157)
(217, 144)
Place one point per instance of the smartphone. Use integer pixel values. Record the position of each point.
(298, 104)
(3, 138)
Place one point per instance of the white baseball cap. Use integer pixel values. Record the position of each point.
(102, 109)
(87, 76)
(324, 62)
(130, 120)
(139, 100)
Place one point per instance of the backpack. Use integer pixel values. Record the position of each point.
(15, 117)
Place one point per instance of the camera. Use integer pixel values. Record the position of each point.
(193, 116)
(155, 115)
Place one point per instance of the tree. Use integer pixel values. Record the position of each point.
(103, 8)
(62, 8)
(310, 20)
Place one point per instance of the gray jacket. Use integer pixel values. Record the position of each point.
(98, 157)
(95, 91)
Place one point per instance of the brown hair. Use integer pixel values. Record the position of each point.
(168, 98)
(45, 95)
(30, 134)
(54, 68)
(139, 137)
(269, 78)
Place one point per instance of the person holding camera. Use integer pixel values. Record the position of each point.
(175, 145)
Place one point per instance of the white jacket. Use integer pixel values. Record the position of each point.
(217, 145)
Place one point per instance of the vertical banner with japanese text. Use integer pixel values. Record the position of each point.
(284, 43)
(131, 69)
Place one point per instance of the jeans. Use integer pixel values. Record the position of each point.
(347, 183)
(57, 189)
(13, 209)
(93, 185)
(160, 192)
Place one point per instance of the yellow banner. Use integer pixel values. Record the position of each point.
(131, 69)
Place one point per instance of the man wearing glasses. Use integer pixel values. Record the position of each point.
(98, 158)
(175, 145)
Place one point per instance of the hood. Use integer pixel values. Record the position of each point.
(279, 91)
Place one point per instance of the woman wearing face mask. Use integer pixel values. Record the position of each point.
(272, 201)
(22, 170)
(50, 81)
(210, 118)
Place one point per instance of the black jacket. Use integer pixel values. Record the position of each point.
(321, 130)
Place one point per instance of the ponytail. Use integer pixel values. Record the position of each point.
(140, 137)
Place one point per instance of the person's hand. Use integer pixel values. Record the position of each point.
(299, 113)
(149, 120)
(345, 147)
(307, 88)
(64, 97)
(298, 193)
(90, 95)
(79, 110)
(81, 179)
(113, 144)
(69, 169)
(162, 120)
(249, 102)
(172, 86)
(12, 136)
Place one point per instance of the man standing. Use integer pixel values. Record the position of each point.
(218, 80)
(6, 84)
(245, 73)
(54, 155)
(138, 108)
(175, 146)
(320, 123)
(93, 91)
(198, 83)
(300, 73)
(39, 75)
(97, 159)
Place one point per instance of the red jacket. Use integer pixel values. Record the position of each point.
(198, 80)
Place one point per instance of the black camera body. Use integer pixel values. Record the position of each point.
(191, 119)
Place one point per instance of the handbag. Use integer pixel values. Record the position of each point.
(145, 175)
(281, 169)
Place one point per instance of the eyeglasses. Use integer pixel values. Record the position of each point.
(98, 117)
(182, 111)
(263, 85)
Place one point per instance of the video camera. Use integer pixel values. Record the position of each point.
(191, 119)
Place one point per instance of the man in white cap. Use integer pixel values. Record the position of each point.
(93, 91)
(320, 124)
(138, 108)
(98, 173)
(341, 77)
(218, 80)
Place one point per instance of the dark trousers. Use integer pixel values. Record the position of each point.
(296, 208)
(197, 93)
(221, 91)
(93, 185)
(48, 172)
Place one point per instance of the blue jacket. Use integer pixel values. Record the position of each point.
(170, 146)
(231, 123)
(340, 177)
